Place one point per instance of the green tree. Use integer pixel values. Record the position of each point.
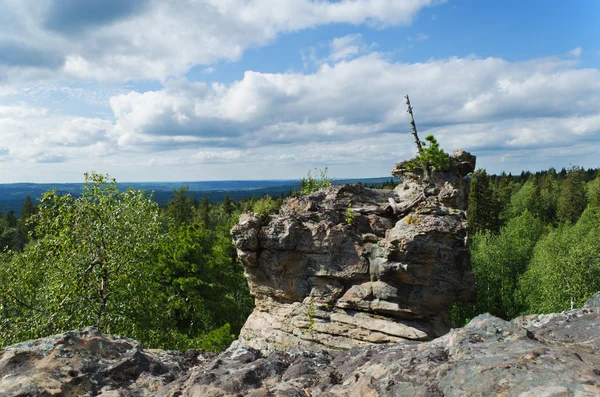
(593, 192)
(181, 207)
(572, 200)
(565, 268)
(482, 212)
(499, 261)
(228, 205)
(11, 219)
(430, 157)
(92, 265)
(527, 198)
(28, 210)
(549, 193)
(203, 212)
(7, 235)
(206, 285)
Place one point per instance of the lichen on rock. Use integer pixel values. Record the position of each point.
(386, 276)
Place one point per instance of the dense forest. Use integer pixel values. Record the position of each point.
(535, 242)
(169, 275)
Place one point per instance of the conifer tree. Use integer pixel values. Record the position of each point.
(180, 207)
(572, 200)
(482, 211)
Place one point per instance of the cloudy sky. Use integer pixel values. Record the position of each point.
(157, 90)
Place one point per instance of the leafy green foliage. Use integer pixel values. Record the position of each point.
(265, 206)
(311, 183)
(498, 262)
(565, 269)
(546, 256)
(90, 266)
(593, 192)
(203, 279)
(430, 157)
(349, 214)
(106, 258)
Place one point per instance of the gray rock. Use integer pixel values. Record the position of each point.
(594, 301)
(324, 279)
(87, 362)
(537, 355)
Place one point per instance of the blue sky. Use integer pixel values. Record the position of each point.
(231, 89)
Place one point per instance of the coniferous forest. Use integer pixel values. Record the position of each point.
(169, 275)
(535, 242)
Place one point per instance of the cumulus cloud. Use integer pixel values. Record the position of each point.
(72, 16)
(478, 103)
(79, 132)
(35, 135)
(124, 40)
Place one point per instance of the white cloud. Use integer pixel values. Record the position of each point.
(575, 52)
(218, 157)
(488, 105)
(346, 47)
(163, 39)
(349, 115)
(33, 134)
(356, 97)
(20, 111)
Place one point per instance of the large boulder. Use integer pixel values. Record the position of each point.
(349, 266)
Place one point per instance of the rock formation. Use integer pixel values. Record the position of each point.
(536, 355)
(350, 266)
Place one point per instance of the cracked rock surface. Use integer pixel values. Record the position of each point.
(537, 355)
(87, 363)
(351, 266)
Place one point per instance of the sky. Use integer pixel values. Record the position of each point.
(192, 90)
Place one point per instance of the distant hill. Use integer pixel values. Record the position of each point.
(12, 195)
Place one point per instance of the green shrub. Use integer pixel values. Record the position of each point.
(311, 184)
(429, 157)
(349, 214)
(265, 206)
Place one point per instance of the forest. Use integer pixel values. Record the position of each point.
(535, 242)
(169, 275)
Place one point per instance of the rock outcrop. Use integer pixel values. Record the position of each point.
(88, 363)
(537, 355)
(350, 266)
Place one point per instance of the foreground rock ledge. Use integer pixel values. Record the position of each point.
(538, 355)
(350, 266)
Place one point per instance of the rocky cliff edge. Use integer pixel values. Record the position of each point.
(536, 355)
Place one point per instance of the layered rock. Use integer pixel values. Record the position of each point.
(538, 355)
(350, 266)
